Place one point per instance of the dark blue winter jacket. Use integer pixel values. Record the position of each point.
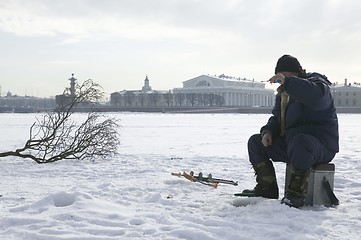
(310, 110)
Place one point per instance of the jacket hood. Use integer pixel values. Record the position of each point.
(317, 77)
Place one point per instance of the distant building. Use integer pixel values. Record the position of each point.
(223, 90)
(25, 104)
(347, 95)
(202, 91)
(141, 98)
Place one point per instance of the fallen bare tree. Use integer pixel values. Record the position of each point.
(56, 136)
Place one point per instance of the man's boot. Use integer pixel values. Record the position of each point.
(266, 182)
(297, 189)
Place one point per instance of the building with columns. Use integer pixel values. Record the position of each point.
(201, 91)
(347, 95)
(223, 91)
(228, 91)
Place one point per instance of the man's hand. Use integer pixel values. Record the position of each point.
(278, 78)
(267, 139)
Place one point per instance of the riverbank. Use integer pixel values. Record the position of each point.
(191, 110)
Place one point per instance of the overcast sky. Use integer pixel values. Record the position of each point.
(118, 42)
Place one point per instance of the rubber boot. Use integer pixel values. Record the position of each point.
(266, 182)
(297, 189)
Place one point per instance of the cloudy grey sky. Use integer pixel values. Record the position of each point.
(118, 42)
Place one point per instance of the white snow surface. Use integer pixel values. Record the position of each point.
(134, 195)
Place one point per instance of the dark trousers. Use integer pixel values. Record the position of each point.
(302, 151)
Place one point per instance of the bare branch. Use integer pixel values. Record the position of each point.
(57, 136)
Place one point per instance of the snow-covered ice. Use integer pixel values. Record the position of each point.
(134, 196)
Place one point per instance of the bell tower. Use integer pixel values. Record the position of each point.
(146, 86)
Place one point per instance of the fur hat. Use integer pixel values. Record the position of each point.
(287, 63)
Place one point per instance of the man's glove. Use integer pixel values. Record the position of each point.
(266, 138)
